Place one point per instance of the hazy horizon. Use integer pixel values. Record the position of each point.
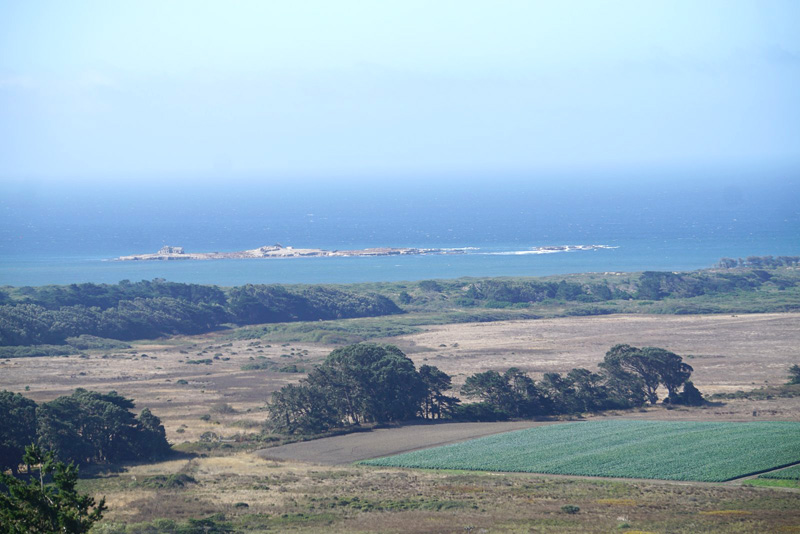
(147, 92)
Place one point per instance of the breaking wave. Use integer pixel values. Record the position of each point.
(551, 250)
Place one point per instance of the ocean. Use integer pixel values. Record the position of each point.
(61, 233)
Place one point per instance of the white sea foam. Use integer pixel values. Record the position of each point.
(551, 250)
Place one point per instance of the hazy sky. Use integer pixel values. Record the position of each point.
(132, 90)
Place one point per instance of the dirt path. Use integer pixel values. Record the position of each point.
(341, 450)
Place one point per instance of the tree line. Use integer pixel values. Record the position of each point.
(142, 310)
(759, 262)
(650, 285)
(363, 383)
(52, 315)
(85, 427)
(368, 383)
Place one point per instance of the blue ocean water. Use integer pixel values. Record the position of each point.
(59, 234)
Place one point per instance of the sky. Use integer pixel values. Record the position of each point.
(125, 92)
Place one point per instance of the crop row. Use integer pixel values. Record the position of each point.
(622, 448)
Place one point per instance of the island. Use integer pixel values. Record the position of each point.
(279, 251)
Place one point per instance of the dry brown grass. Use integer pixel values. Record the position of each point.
(728, 353)
(152, 381)
(304, 498)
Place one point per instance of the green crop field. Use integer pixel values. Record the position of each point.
(712, 452)
(792, 473)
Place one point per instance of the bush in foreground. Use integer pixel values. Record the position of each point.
(46, 507)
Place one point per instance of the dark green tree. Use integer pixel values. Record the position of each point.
(590, 394)
(363, 383)
(150, 437)
(672, 372)
(88, 427)
(652, 366)
(42, 507)
(382, 378)
(622, 360)
(526, 399)
(625, 390)
(301, 409)
(479, 411)
(59, 430)
(251, 304)
(794, 374)
(690, 396)
(650, 286)
(430, 285)
(513, 393)
(91, 427)
(17, 428)
(560, 392)
(435, 403)
(490, 387)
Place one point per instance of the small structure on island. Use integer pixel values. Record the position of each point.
(166, 249)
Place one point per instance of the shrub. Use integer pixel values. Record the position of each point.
(223, 408)
(794, 374)
(479, 411)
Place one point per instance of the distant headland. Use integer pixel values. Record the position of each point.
(279, 251)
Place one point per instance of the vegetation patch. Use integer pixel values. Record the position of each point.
(712, 452)
(88, 314)
(293, 368)
(617, 502)
(215, 524)
(372, 505)
(790, 473)
(330, 332)
(787, 391)
(36, 351)
(367, 383)
(86, 427)
(773, 483)
(259, 365)
(175, 481)
(87, 342)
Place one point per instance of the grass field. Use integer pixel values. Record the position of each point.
(712, 452)
(728, 353)
(783, 478)
(313, 487)
(247, 494)
(791, 473)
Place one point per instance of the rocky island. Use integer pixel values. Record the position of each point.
(280, 251)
